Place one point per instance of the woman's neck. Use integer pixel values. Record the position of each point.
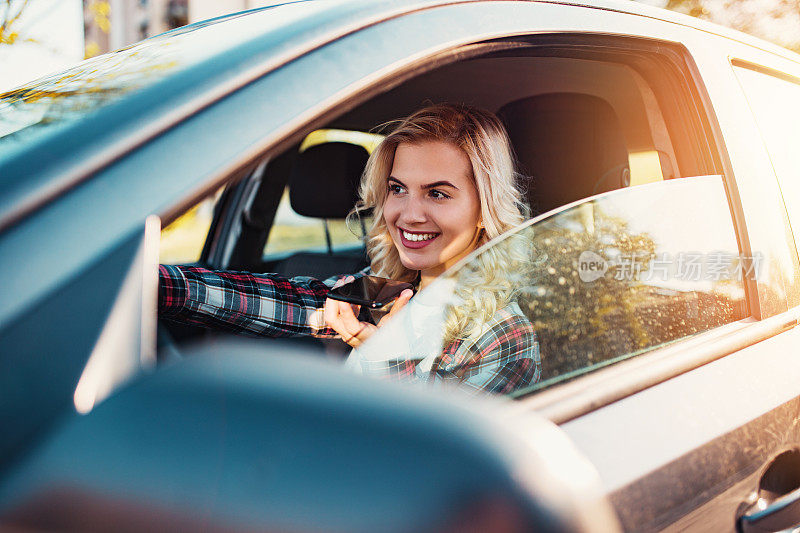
(426, 278)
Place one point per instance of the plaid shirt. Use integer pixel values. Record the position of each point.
(503, 359)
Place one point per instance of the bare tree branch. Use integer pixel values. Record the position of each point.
(10, 19)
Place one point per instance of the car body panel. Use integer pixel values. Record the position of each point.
(675, 447)
(666, 428)
(187, 77)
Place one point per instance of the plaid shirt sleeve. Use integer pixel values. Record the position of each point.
(266, 305)
(504, 359)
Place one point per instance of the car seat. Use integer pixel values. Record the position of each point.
(324, 184)
(570, 145)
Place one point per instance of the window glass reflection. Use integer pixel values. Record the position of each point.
(601, 281)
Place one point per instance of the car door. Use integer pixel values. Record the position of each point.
(699, 433)
(641, 321)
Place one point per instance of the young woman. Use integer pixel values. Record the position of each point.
(439, 186)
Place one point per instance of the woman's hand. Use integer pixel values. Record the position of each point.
(342, 317)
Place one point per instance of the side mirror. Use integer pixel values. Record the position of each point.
(234, 438)
(78, 339)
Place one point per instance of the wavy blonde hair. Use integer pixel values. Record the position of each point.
(484, 140)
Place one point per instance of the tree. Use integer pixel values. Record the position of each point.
(97, 26)
(10, 15)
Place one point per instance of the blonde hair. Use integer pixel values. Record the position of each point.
(482, 137)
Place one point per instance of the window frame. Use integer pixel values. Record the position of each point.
(648, 57)
(793, 299)
(597, 387)
(703, 122)
(570, 401)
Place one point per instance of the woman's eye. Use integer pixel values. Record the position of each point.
(395, 189)
(436, 194)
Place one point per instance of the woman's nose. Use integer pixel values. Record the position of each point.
(413, 211)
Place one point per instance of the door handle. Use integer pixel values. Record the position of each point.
(777, 502)
(768, 517)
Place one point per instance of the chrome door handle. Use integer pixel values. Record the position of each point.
(768, 517)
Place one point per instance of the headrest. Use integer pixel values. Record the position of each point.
(324, 179)
(570, 144)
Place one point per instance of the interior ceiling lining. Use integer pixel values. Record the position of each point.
(491, 82)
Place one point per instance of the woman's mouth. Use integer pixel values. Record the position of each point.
(416, 240)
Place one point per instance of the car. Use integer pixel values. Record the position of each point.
(661, 274)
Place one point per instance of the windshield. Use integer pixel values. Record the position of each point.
(55, 101)
(573, 291)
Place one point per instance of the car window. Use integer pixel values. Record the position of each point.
(773, 101)
(607, 279)
(53, 102)
(292, 232)
(182, 240)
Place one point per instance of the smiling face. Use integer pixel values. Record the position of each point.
(432, 208)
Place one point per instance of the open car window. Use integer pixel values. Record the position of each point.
(183, 239)
(301, 225)
(291, 232)
(599, 281)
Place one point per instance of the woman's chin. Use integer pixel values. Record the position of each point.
(412, 264)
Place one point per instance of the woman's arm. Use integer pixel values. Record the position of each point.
(266, 305)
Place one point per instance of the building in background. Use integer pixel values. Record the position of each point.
(206, 9)
(114, 24)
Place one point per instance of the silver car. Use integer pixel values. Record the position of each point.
(662, 277)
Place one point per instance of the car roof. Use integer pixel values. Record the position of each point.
(209, 60)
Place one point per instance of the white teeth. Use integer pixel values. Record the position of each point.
(418, 236)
